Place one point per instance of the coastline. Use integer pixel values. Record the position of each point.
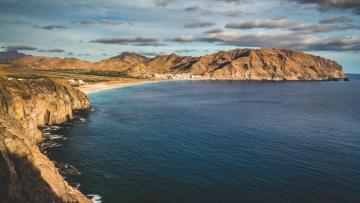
(102, 86)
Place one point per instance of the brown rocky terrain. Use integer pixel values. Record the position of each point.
(27, 175)
(238, 64)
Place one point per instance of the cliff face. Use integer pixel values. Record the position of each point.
(238, 64)
(26, 175)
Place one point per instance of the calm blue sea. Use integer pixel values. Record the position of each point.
(220, 141)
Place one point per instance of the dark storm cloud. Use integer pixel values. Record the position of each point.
(339, 4)
(261, 23)
(19, 48)
(50, 27)
(199, 24)
(136, 41)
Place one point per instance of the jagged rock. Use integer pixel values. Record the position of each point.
(26, 174)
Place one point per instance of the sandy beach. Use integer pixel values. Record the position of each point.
(102, 86)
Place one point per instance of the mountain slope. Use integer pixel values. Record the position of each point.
(238, 64)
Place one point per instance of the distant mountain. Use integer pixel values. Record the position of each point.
(8, 56)
(238, 64)
(129, 55)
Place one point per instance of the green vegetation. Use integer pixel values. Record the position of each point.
(95, 80)
(26, 76)
(93, 72)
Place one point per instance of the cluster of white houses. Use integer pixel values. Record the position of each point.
(181, 76)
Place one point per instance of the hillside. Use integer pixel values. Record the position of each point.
(238, 64)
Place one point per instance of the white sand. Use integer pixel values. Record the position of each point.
(102, 86)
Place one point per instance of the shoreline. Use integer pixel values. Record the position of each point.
(103, 86)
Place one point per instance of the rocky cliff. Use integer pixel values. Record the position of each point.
(238, 64)
(27, 175)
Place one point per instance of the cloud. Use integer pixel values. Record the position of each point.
(318, 28)
(199, 24)
(135, 41)
(50, 27)
(261, 23)
(325, 25)
(183, 38)
(232, 1)
(102, 21)
(52, 50)
(181, 51)
(84, 54)
(216, 30)
(114, 22)
(335, 19)
(19, 48)
(233, 13)
(192, 9)
(338, 4)
(163, 3)
(84, 22)
(297, 41)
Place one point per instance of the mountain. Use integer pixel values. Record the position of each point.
(238, 64)
(8, 56)
(42, 62)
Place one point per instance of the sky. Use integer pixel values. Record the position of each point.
(94, 30)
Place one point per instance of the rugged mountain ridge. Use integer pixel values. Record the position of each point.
(238, 64)
(27, 175)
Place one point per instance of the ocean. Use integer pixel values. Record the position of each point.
(219, 141)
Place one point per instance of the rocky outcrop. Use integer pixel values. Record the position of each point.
(27, 175)
(238, 64)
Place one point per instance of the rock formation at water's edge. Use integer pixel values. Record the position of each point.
(27, 175)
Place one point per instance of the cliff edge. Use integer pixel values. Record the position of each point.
(27, 175)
